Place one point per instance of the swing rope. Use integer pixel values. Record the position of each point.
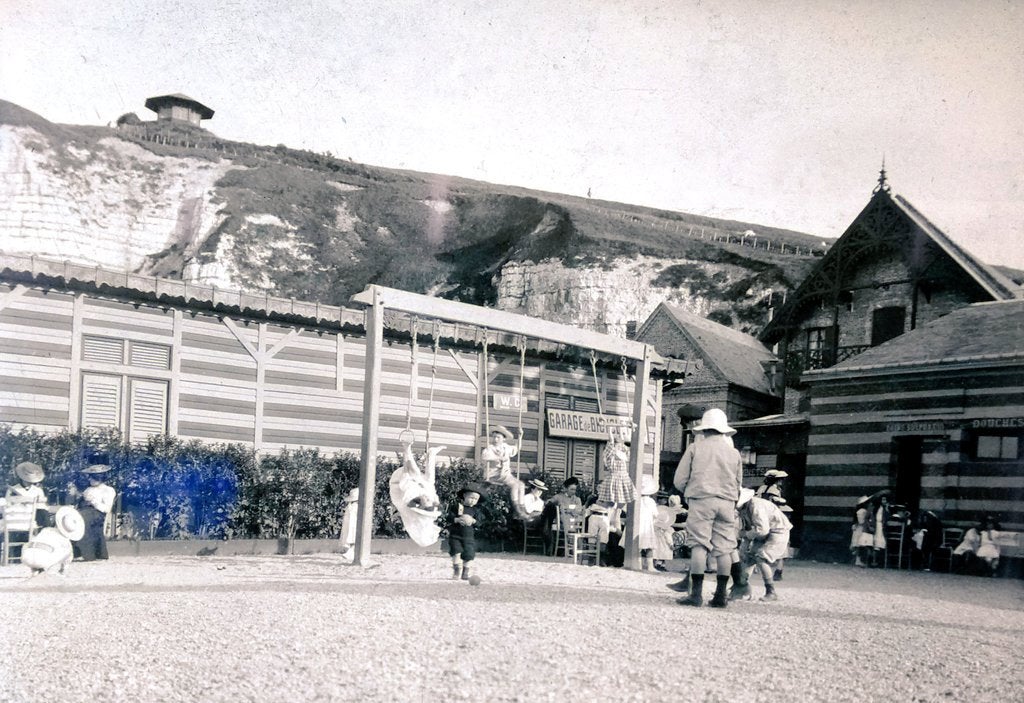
(414, 382)
(597, 386)
(522, 399)
(433, 377)
(487, 406)
(625, 382)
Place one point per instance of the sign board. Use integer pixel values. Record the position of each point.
(581, 425)
(507, 401)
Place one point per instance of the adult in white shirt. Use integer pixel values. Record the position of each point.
(533, 501)
(95, 504)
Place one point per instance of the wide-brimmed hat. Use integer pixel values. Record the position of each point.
(778, 500)
(29, 472)
(715, 419)
(648, 485)
(885, 492)
(96, 469)
(472, 487)
(502, 430)
(537, 483)
(745, 495)
(783, 507)
(775, 473)
(863, 500)
(675, 501)
(353, 496)
(69, 522)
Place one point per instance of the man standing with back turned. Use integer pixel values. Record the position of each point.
(710, 476)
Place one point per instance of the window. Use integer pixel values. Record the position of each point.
(127, 402)
(999, 447)
(886, 324)
(818, 347)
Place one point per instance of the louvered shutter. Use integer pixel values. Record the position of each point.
(147, 413)
(556, 457)
(585, 405)
(150, 356)
(584, 459)
(103, 349)
(101, 401)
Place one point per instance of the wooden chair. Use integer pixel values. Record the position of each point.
(582, 546)
(897, 545)
(533, 536)
(942, 557)
(19, 527)
(562, 531)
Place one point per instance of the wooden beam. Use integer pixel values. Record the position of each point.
(371, 425)
(636, 463)
(499, 320)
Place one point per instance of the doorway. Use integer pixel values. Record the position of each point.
(905, 472)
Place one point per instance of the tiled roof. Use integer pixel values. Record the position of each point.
(975, 333)
(736, 356)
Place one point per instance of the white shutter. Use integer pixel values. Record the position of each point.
(103, 349)
(147, 410)
(586, 405)
(584, 459)
(556, 457)
(101, 401)
(150, 356)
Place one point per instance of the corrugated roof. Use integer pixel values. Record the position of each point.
(983, 332)
(735, 355)
(155, 102)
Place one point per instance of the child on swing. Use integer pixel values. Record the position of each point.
(414, 495)
(617, 487)
(497, 457)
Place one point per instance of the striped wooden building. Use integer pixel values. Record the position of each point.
(86, 347)
(936, 415)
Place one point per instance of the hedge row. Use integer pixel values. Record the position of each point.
(174, 489)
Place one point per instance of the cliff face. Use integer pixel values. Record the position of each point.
(110, 203)
(607, 298)
(178, 202)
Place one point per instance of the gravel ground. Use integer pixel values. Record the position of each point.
(309, 628)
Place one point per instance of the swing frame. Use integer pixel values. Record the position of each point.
(377, 299)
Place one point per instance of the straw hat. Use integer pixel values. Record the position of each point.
(715, 419)
(353, 496)
(675, 501)
(648, 485)
(29, 472)
(96, 469)
(69, 522)
(537, 483)
(502, 430)
(745, 495)
(863, 500)
(775, 473)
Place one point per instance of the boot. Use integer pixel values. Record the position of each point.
(720, 599)
(466, 572)
(696, 597)
(691, 600)
(681, 586)
(777, 576)
(769, 593)
(456, 571)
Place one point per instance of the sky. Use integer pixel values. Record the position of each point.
(775, 113)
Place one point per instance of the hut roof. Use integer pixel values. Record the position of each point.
(155, 103)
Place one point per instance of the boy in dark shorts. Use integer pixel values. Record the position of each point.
(461, 525)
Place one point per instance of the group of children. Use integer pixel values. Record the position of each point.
(66, 532)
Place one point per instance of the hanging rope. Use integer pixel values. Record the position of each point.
(625, 381)
(433, 377)
(522, 398)
(487, 405)
(597, 386)
(414, 381)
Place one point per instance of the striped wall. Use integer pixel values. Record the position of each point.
(855, 427)
(270, 385)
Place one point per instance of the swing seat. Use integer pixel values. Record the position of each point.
(426, 513)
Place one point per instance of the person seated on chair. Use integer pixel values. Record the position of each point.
(598, 525)
(988, 549)
(568, 506)
(533, 501)
(926, 538)
(27, 488)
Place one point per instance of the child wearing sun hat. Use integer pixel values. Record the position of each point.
(461, 525)
(51, 548)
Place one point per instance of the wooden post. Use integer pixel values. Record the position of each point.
(371, 424)
(636, 460)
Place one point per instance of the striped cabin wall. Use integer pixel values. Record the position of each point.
(856, 424)
(274, 386)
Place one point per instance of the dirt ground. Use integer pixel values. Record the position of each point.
(310, 628)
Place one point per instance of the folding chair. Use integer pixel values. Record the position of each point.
(19, 527)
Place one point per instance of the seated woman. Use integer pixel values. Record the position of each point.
(533, 501)
(988, 549)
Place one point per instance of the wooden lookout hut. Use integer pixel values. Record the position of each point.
(180, 108)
